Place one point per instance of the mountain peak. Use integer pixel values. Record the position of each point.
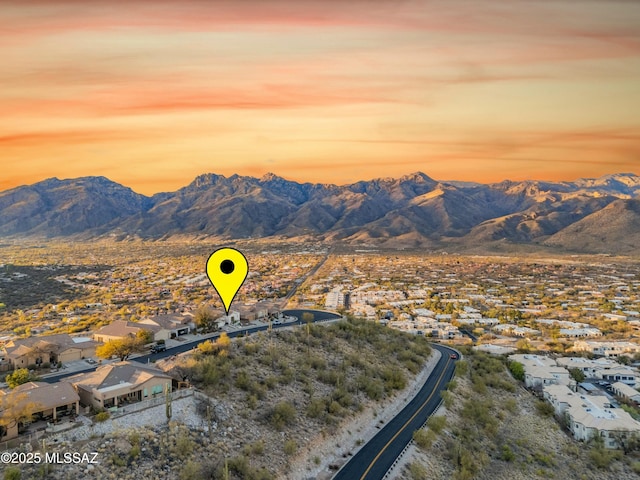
(270, 177)
(417, 177)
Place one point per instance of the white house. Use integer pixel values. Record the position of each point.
(587, 366)
(607, 349)
(541, 376)
(619, 374)
(625, 391)
(591, 415)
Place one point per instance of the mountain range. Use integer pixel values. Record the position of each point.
(588, 215)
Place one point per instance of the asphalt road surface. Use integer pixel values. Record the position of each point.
(376, 457)
(318, 316)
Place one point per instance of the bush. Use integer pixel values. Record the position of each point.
(282, 414)
(190, 471)
(544, 408)
(184, 445)
(135, 451)
(417, 471)
(517, 370)
(102, 416)
(317, 408)
(12, 473)
(424, 438)
(290, 447)
(507, 454)
(462, 367)
(437, 423)
(447, 398)
(18, 377)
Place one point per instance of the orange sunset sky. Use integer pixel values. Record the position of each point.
(151, 93)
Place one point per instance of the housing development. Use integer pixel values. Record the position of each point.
(111, 337)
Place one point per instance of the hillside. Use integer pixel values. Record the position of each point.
(278, 405)
(410, 211)
(491, 428)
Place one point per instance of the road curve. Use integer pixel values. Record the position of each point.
(375, 458)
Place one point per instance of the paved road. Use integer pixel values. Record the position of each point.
(301, 280)
(318, 316)
(376, 457)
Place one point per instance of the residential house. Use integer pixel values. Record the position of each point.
(119, 383)
(47, 400)
(23, 352)
(233, 317)
(176, 325)
(587, 366)
(619, 374)
(589, 416)
(541, 376)
(626, 392)
(607, 349)
(120, 329)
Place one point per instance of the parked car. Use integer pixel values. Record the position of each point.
(159, 347)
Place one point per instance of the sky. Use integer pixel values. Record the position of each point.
(151, 93)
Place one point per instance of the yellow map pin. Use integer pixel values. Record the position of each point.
(227, 270)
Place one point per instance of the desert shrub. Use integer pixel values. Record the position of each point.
(282, 414)
(343, 397)
(102, 416)
(511, 405)
(417, 471)
(317, 408)
(447, 398)
(135, 451)
(191, 471)
(507, 454)
(424, 438)
(437, 423)
(290, 447)
(517, 370)
(12, 473)
(462, 367)
(393, 379)
(372, 387)
(544, 408)
(184, 445)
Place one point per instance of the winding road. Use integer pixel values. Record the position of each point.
(377, 456)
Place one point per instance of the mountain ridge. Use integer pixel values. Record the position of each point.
(413, 210)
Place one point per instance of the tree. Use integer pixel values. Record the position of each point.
(223, 341)
(120, 348)
(577, 374)
(16, 409)
(204, 319)
(144, 336)
(307, 317)
(18, 377)
(523, 345)
(207, 347)
(517, 370)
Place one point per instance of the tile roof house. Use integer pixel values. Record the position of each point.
(119, 383)
(120, 329)
(37, 350)
(176, 325)
(48, 401)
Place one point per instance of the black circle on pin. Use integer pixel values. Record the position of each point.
(227, 266)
